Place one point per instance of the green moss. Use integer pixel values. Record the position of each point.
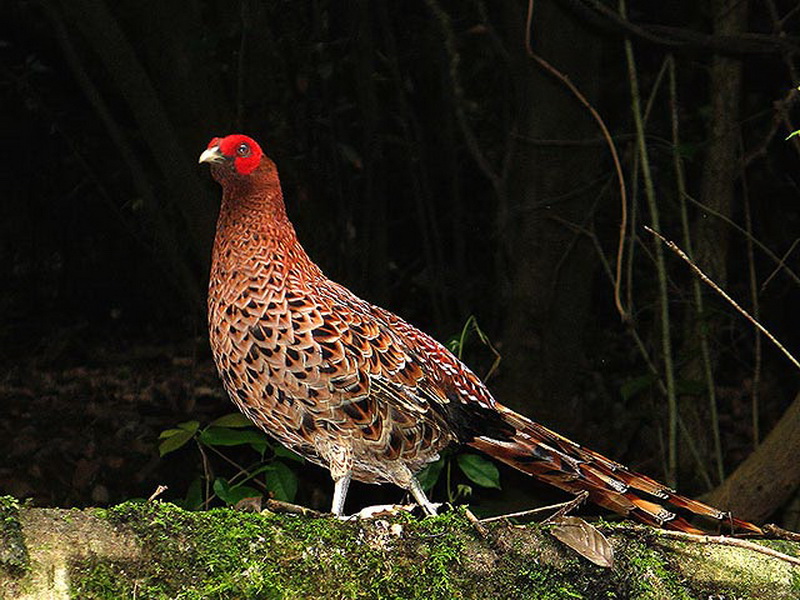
(223, 554)
(647, 572)
(226, 554)
(13, 553)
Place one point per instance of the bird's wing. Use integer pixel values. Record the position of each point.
(352, 373)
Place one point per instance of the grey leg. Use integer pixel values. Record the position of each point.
(419, 495)
(339, 494)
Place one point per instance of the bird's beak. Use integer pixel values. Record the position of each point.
(212, 155)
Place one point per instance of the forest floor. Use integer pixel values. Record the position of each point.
(80, 424)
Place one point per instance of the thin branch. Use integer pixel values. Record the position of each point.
(782, 108)
(534, 511)
(705, 350)
(783, 534)
(780, 117)
(661, 270)
(160, 489)
(682, 40)
(781, 265)
(674, 247)
(757, 352)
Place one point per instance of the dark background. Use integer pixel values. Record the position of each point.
(431, 165)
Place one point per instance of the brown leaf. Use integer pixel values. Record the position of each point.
(585, 539)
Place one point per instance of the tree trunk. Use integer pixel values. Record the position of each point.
(550, 279)
(710, 235)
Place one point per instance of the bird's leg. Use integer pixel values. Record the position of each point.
(340, 486)
(419, 495)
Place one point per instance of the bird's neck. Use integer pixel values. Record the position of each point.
(253, 229)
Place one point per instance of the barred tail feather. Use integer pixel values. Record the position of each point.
(550, 457)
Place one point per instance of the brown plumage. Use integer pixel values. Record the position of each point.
(356, 389)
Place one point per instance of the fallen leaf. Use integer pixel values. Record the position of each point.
(585, 539)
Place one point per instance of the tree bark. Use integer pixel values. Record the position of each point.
(710, 234)
(552, 266)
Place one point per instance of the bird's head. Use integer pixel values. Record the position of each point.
(235, 155)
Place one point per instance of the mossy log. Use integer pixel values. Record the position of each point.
(156, 550)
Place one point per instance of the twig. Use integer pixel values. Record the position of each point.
(497, 542)
(781, 265)
(722, 540)
(780, 112)
(661, 270)
(159, 490)
(757, 353)
(705, 350)
(686, 40)
(476, 523)
(207, 473)
(470, 138)
(534, 511)
(241, 64)
(568, 507)
(674, 247)
(279, 506)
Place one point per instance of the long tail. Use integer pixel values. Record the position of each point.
(552, 458)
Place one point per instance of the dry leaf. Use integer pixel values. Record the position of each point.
(584, 538)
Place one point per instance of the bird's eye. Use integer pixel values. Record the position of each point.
(243, 150)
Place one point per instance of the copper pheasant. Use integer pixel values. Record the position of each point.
(356, 389)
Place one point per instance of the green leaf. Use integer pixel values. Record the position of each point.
(194, 495)
(454, 345)
(221, 487)
(260, 446)
(175, 441)
(231, 494)
(284, 452)
(232, 420)
(168, 433)
(281, 481)
(190, 426)
(222, 436)
(479, 470)
(430, 474)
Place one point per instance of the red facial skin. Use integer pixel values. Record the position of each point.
(245, 151)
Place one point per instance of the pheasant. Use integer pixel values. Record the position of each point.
(358, 390)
